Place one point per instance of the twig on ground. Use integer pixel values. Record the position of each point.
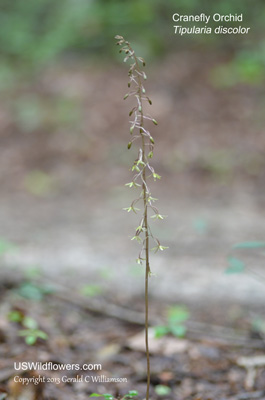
(196, 330)
(251, 395)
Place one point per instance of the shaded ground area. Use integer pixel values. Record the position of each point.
(224, 361)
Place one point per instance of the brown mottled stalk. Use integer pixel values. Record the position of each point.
(141, 166)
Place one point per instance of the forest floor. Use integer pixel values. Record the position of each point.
(213, 362)
(63, 164)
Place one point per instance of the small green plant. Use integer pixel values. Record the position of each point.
(91, 290)
(176, 318)
(130, 395)
(31, 333)
(162, 390)
(6, 247)
(33, 291)
(258, 325)
(39, 183)
(142, 171)
(236, 265)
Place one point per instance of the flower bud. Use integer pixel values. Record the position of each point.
(150, 155)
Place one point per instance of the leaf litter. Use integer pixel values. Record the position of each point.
(197, 367)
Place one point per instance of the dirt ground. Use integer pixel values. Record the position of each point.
(213, 362)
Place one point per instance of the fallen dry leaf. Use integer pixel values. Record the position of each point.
(165, 345)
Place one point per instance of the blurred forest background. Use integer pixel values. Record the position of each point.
(63, 132)
(70, 288)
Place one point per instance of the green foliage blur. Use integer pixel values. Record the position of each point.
(34, 33)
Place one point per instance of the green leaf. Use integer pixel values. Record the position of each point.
(258, 325)
(32, 272)
(249, 245)
(200, 225)
(5, 247)
(162, 390)
(235, 266)
(15, 316)
(160, 331)
(133, 393)
(108, 396)
(30, 340)
(39, 183)
(95, 395)
(178, 330)
(178, 314)
(24, 332)
(30, 291)
(41, 334)
(91, 290)
(30, 323)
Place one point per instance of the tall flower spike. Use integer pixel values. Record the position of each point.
(141, 166)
